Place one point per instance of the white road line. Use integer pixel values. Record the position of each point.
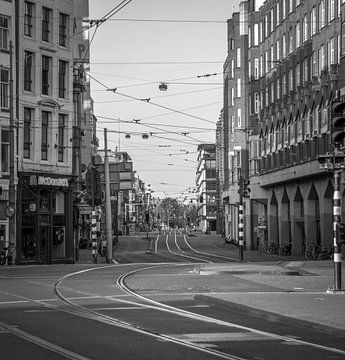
(42, 343)
(177, 244)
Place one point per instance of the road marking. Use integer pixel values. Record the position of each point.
(41, 342)
(219, 337)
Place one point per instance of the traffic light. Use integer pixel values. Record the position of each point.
(93, 186)
(342, 233)
(338, 122)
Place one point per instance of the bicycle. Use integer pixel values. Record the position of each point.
(286, 250)
(312, 252)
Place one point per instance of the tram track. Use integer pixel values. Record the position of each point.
(145, 302)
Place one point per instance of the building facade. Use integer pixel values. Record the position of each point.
(48, 133)
(206, 188)
(295, 74)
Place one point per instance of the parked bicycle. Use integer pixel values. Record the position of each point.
(312, 252)
(286, 250)
(271, 248)
(230, 240)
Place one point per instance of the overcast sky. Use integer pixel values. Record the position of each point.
(179, 43)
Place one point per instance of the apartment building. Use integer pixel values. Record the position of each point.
(206, 188)
(7, 31)
(48, 107)
(295, 73)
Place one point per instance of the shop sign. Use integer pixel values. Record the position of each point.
(48, 181)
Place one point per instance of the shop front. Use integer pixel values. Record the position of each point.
(44, 219)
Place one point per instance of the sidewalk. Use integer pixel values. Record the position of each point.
(292, 291)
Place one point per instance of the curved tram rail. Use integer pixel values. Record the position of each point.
(146, 303)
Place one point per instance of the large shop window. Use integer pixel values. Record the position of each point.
(5, 151)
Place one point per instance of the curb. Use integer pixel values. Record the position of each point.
(269, 316)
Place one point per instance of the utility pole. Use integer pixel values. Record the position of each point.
(11, 210)
(108, 231)
(240, 220)
(336, 232)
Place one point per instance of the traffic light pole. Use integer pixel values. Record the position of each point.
(240, 221)
(336, 232)
(108, 232)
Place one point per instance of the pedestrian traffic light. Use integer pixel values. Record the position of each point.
(337, 122)
(342, 233)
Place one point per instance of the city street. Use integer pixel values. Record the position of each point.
(186, 298)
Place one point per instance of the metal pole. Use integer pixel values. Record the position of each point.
(11, 186)
(108, 232)
(94, 235)
(336, 227)
(240, 221)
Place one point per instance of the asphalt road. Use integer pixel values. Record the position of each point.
(148, 306)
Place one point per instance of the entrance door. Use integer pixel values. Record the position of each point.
(45, 240)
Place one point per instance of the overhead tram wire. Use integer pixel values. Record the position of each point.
(152, 103)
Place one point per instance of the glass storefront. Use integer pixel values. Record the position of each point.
(46, 231)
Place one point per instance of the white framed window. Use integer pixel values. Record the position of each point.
(331, 57)
(272, 19)
(238, 87)
(322, 58)
(284, 46)
(322, 14)
(291, 80)
(298, 35)
(313, 21)
(266, 61)
(256, 35)
(291, 48)
(277, 14)
(331, 10)
(232, 65)
(284, 9)
(4, 88)
(315, 63)
(277, 51)
(305, 28)
(4, 32)
(238, 57)
(272, 92)
(278, 88)
(28, 18)
(290, 6)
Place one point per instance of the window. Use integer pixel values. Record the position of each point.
(272, 19)
(322, 58)
(256, 68)
(322, 14)
(331, 10)
(298, 75)
(44, 135)
(46, 24)
(266, 61)
(28, 70)
(291, 80)
(278, 89)
(28, 112)
(284, 84)
(284, 9)
(239, 118)
(290, 6)
(298, 35)
(238, 57)
(4, 32)
(63, 27)
(238, 87)
(232, 68)
(28, 17)
(63, 66)
(256, 103)
(5, 151)
(284, 46)
(331, 57)
(4, 88)
(277, 13)
(315, 63)
(277, 51)
(305, 28)
(46, 74)
(61, 137)
(256, 35)
(313, 21)
(272, 92)
(305, 70)
(272, 62)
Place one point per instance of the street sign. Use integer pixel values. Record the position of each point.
(85, 209)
